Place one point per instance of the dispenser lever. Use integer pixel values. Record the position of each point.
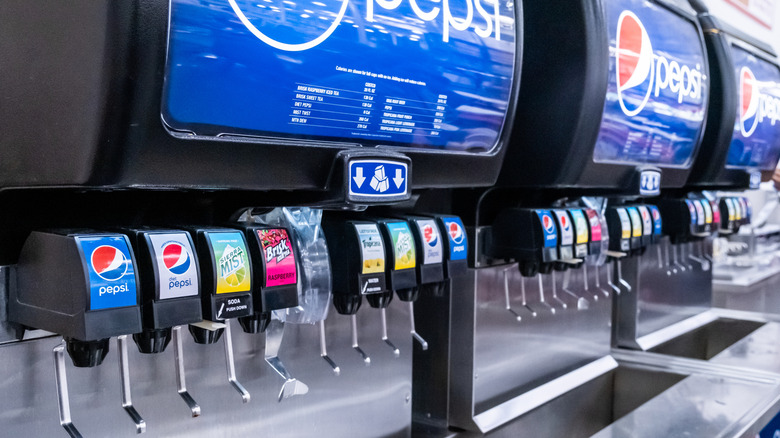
(417, 337)
(63, 400)
(181, 384)
(324, 350)
(273, 341)
(355, 345)
(124, 373)
(231, 367)
(383, 318)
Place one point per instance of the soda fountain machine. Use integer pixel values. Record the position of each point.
(197, 165)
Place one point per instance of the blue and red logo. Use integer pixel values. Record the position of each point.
(748, 102)
(176, 258)
(109, 263)
(456, 232)
(430, 236)
(565, 224)
(641, 72)
(548, 224)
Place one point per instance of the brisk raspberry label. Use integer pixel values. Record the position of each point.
(279, 259)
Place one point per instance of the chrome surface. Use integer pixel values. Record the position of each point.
(362, 401)
(496, 359)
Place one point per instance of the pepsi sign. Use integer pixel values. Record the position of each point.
(457, 237)
(549, 230)
(110, 271)
(177, 267)
(432, 244)
(567, 233)
(657, 222)
(756, 139)
(373, 72)
(657, 90)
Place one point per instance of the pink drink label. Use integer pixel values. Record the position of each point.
(278, 257)
(595, 225)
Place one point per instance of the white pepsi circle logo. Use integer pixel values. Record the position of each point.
(641, 71)
(748, 102)
(548, 224)
(108, 262)
(456, 232)
(656, 215)
(430, 236)
(564, 222)
(314, 41)
(176, 258)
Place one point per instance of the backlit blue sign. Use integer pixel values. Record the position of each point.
(549, 229)
(456, 235)
(756, 140)
(381, 178)
(658, 87)
(406, 73)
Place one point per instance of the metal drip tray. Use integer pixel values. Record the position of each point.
(708, 340)
(640, 400)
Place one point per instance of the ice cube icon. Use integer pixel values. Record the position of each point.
(379, 181)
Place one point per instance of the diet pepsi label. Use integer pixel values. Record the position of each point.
(110, 271)
(456, 234)
(431, 241)
(176, 265)
(756, 140)
(657, 90)
(549, 230)
(565, 226)
(647, 221)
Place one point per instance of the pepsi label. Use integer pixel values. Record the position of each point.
(657, 224)
(110, 269)
(756, 139)
(549, 231)
(657, 87)
(176, 265)
(565, 227)
(457, 238)
(647, 221)
(431, 241)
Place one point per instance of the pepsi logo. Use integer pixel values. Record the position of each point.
(656, 215)
(748, 102)
(109, 263)
(641, 72)
(456, 232)
(564, 222)
(430, 236)
(548, 224)
(176, 258)
(644, 215)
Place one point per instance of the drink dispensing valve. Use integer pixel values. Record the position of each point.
(275, 273)
(97, 298)
(170, 295)
(361, 272)
(534, 248)
(226, 273)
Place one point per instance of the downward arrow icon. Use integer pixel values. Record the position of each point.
(398, 178)
(359, 178)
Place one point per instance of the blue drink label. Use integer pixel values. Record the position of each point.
(549, 230)
(423, 75)
(658, 86)
(657, 221)
(378, 178)
(110, 271)
(176, 265)
(457, 237)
